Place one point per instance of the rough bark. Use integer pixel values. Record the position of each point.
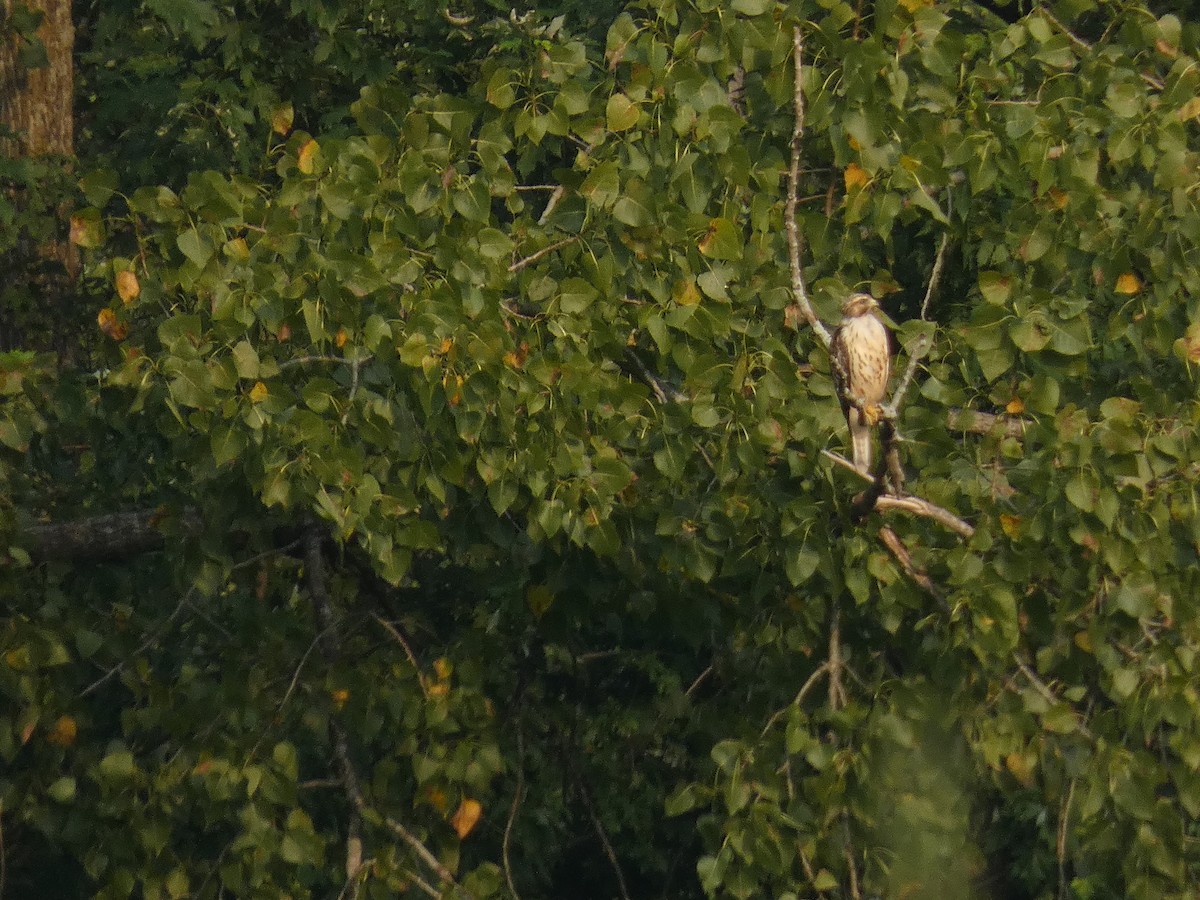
(37, 110)
(37, 103)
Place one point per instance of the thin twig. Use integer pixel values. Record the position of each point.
(900, 553)
(1060, 848)
(534, 257)
(921, 346)
(663, 390)
(795, 248)
(555, 196)
(1047, 694)
(603, 835)
(309, 360)
(319, 593)
(837, 694)
(512, 813)
(699, 680)
(848, 853)
(812, 679)
(412, 658)
(155, 636)
(1086, 47)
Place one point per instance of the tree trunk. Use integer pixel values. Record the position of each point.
(37, 121)
(38, 103)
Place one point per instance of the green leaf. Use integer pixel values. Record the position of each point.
(621, 113)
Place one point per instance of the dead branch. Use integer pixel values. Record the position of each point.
(534, 257)
(107, 537)
(975, 422)
(318, 589)
(900, 553)
(820, 670)
(837, 693)
(398, 637)
(1047, 694)
(795, 246)
(512, 812)
(921, 507)
(602, 834)
(921, 346)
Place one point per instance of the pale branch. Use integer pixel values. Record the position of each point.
(975, 422)
(335, 360)
(663, 390)
(922, 345)
(795, 249)
(398, 637)
(318, 590)
(1083, 45)
(1048, 695)
(837, 693)
(808, 685)
(555, 196)
(909, 503)
(900, 553)
(456, 20)
(534, 257)
(106, 537)
(921, 507)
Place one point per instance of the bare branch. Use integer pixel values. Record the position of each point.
(837, 693)
(512, 812)
(318, 590)
(921, 507)
(334, 360)
(808, 685)
(920, 347)
(603, 835)
(534, 257)
(900, 553)
(664, 391)
(1083, 45)
(107, 537)
(984, 423)
(412, 658)
(795, 247)
(1047, 694)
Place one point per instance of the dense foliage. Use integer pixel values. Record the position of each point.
(499, 307)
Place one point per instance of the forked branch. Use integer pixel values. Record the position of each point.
(795, 245)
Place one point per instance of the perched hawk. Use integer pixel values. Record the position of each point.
(860, 361)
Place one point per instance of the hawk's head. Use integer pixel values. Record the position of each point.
(858, 305)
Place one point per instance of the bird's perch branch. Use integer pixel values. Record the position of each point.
(795, 246)
(875, 498)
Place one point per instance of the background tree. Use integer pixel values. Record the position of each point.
(460, 379)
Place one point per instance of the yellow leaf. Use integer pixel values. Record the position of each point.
(466, 817)
(64, 731)
(128, 288)
(1020, 768)
(443, 668)
(1058, 198)
(1083, 641)
(913, 5)
(1128, 284)
(341, 338)
(307, 161)
(540, 599)
(1190, 110)
(259, 392)
(107, 320)
(1010, 525)
(1015, 406)
(284, 333)
(685, 292)
(281, 119)
(855, 177)
(436, 798)
(339, 697)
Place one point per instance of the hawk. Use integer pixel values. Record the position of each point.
(860, 360)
